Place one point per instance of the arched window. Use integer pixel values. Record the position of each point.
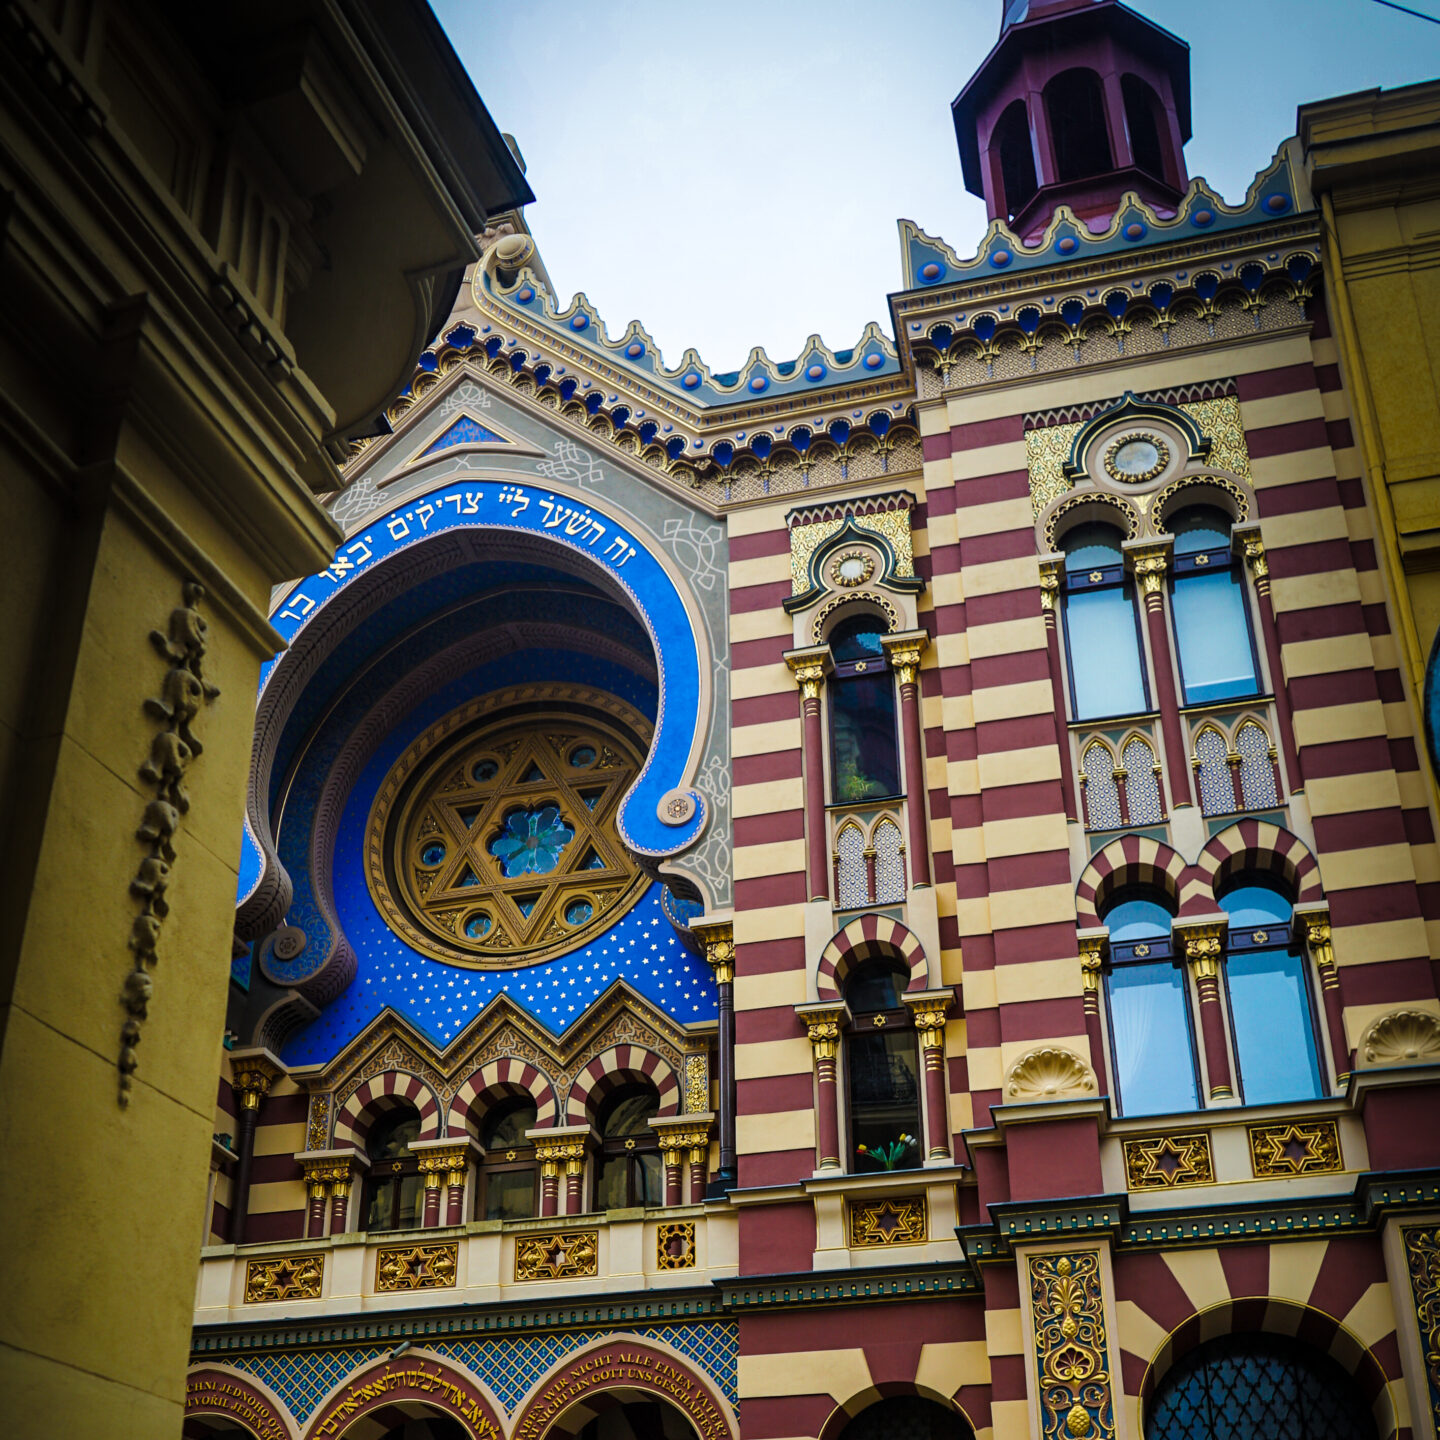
(907, 1417)
(1011, 141)
(1257, 767)
(1150, 1029)
(631, 1172)
(1212, 772)
(1142, 783)
(1271, 1008)
(882, 1071)
(1142, 120)
(1102, 627)
(889, 863)
(1262, 1387)
(392, 1188)
(1212, 612)
(1076, 107)
(1102, 797)
(852, 884)
(507, 1175)
(864, 759)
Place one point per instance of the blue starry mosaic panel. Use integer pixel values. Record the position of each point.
(510, 1367)
(465, 431)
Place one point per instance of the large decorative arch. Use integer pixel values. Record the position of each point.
(385, 1092)
(1259, 847)
(504, 1077)
(1130, 860)
(868, 938)
(588, 1380)
(856, 1405)
(398, 1388)
(217, 1396)
(618, 1066)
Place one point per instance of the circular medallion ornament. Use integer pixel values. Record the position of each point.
(494, 843)
(852, 568)
(1135, 458)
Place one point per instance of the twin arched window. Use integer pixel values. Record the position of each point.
(882, 1071)
(1127, 793)
(1240, 778)
(1150, 1000)
(630, 1171)
(393, 1198)
(864, 756)
(870, 873)
(507, 1186)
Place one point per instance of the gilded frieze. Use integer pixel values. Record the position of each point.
(895, 1220)
(1071, 1356)
(1300, 1147)
(1422, 1259)
(893, 525)
(558, 1255)
(416, 1267)
(1165, 1162)
(284, 1277)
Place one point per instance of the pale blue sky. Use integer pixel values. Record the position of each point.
(730, 172)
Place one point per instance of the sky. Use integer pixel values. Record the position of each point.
(730, 172)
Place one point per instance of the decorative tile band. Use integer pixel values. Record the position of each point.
(1165, 1162)
(285, 1277)
(1301, 1147)
(895, 1220)
(560, 1255)
(417, 1267)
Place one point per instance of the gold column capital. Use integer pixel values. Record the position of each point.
(905, 650)
(929, 1010)
(1050, 581)
(823, 1023)
(1150, 562)
(718, 938)
(252, 1073)
(1203, 942)
(1093, 944)
(809, 667)
(1313, 921)
(682, 1136)
(560, 1144)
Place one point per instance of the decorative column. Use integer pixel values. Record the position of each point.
(1049, 595)
(317, 1190)
(1150, 562)
(928, 1009)
(1313, 921)
(1203, 944)
(443, 1163)
(684, 1144)
(719, 942)
(809, 668)
(555, 1147)
(904, 651)
(252, 1072)
(341, 1179)
(1092, 959)
(822, 1024)
(1249, 536)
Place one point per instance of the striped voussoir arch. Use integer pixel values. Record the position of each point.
(1131, 860)
(1331, 1295)
(1258, 847)
(500, 1079)
(381, 1093)
(868, 938)
(617, 1066)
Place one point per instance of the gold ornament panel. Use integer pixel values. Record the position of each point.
(895, 1220)
(1067, 1305)
(416, 1267)
(284, 1277)
(1301, 1147)
(495, 844)
(1166, 1162)
(675, 1245)
(558, 1255)
(1422, 1260)
(805, 540)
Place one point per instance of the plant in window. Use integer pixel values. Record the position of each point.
(889, 1156)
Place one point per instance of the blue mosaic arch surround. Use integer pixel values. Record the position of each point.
(591, 531)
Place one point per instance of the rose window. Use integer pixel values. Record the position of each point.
(493, 842)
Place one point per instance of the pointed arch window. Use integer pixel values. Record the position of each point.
(1142, 782)
(1102, 795)
(889, 863)
(508, 1182)
(1149, 1010)
(852, 883)
(1272, 1010)
(1213, 635)
(1102, 627)
(864, 755)
(882, 1070)
(393, 1197)
(1212, 772)
(1257, 767)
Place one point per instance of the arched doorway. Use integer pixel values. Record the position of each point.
(623, 1415)
(907, 1417)
(226, 1404)
(415, 1395)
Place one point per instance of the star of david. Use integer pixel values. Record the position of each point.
(1293, 1148)
(283, 1276)
(1168, 1160)
(556, 1255)
(886, 1220)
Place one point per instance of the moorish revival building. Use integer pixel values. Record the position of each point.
(893, 893)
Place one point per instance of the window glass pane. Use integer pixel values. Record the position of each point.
(390, 1136)
(1251, 905)
(884, 1100)
(612, 1192)
(1102, 797)
(858, 639)
(510, 1195)
(649, 1180)
(410, 1202)
(889, 864)
(1200, 528)
(1142, 785)
(1138, 920)
(854, 878)
(1105, 667)
(628, 1116)
(377, 1217)
(506, 1125)
(1273, 1035)
(1155, 1073)
(1091, 547)
(1213, 634)
(862, 738)
(874, 987)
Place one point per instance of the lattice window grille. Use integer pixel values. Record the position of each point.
(1257, 767)
(1142, 785)
(1217, 792)
(1102, 796)
(889, 864)
(852, 884)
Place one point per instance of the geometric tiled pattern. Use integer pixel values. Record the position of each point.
(510, 1367)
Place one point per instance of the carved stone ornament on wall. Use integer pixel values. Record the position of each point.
(1049, 1073)
(1404, 1037)
(1068, 1307)
(183, 691)
(895, 1220)
(416, 1267)
(1164, 1162)
(557, 1255)
(284, 1277)
(1422, 1260)
(697, 1084)
(675, 1245)
(1301, 1147)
